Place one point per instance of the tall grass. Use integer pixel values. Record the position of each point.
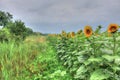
(33, 59)
(15, 59)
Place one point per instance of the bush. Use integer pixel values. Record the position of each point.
(5, 35)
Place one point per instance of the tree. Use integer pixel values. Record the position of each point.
(5, 17)
(29, 31)
(17, 28)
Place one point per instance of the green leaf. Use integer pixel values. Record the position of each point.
(107, 51)
(81, 59)
(81, 52)
(80, 72)
(99, 74)
(111, 58)
(95, 59)
(86, 51)
(101, 42)
(63, 73)
(87, 62)
(116, 68)
(117, 60)
(118, 38)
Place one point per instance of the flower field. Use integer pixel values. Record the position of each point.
(82, 55)
(91, 55)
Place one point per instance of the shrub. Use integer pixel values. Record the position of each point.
(4, 35)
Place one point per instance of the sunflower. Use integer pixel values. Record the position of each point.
(68, 35)
(72, 34)
(112, 28)
(64, 34)
(88, 31)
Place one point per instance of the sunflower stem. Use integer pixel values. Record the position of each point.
(114, 50)
(92, 45)
(114, 46)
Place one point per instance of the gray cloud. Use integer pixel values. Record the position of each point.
(56, 15)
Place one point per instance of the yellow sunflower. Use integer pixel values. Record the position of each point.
(68, 35)
(88, 31)
(64, 34)
(113, 28)
(72, 34)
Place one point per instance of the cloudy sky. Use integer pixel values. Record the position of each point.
(52, 16)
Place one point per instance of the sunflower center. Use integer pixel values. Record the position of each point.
(88, 31)
(113, 28)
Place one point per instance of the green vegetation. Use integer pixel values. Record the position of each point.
(12, 29)
(85, 55)
(26, 55)
(5, 17)
(91, 57)
(33, 59)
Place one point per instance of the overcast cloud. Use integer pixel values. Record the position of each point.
(52, 16)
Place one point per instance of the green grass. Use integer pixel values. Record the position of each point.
(33, 59)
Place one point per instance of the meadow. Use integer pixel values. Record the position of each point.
(82, 55)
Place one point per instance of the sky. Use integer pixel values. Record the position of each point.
(53, 16)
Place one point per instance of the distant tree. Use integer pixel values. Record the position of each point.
(5, 17)
(29, 31)
(17, 28)
(37, 33)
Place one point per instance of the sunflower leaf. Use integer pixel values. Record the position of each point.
(99, 74)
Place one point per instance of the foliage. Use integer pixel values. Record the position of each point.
(5, 35)
(30, 60)
(17, 29)
(29, 31)
(93, 58)
(5, 17)
(53, 39)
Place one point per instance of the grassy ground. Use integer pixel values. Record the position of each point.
(33, 59)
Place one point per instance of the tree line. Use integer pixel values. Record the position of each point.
(12, 29)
